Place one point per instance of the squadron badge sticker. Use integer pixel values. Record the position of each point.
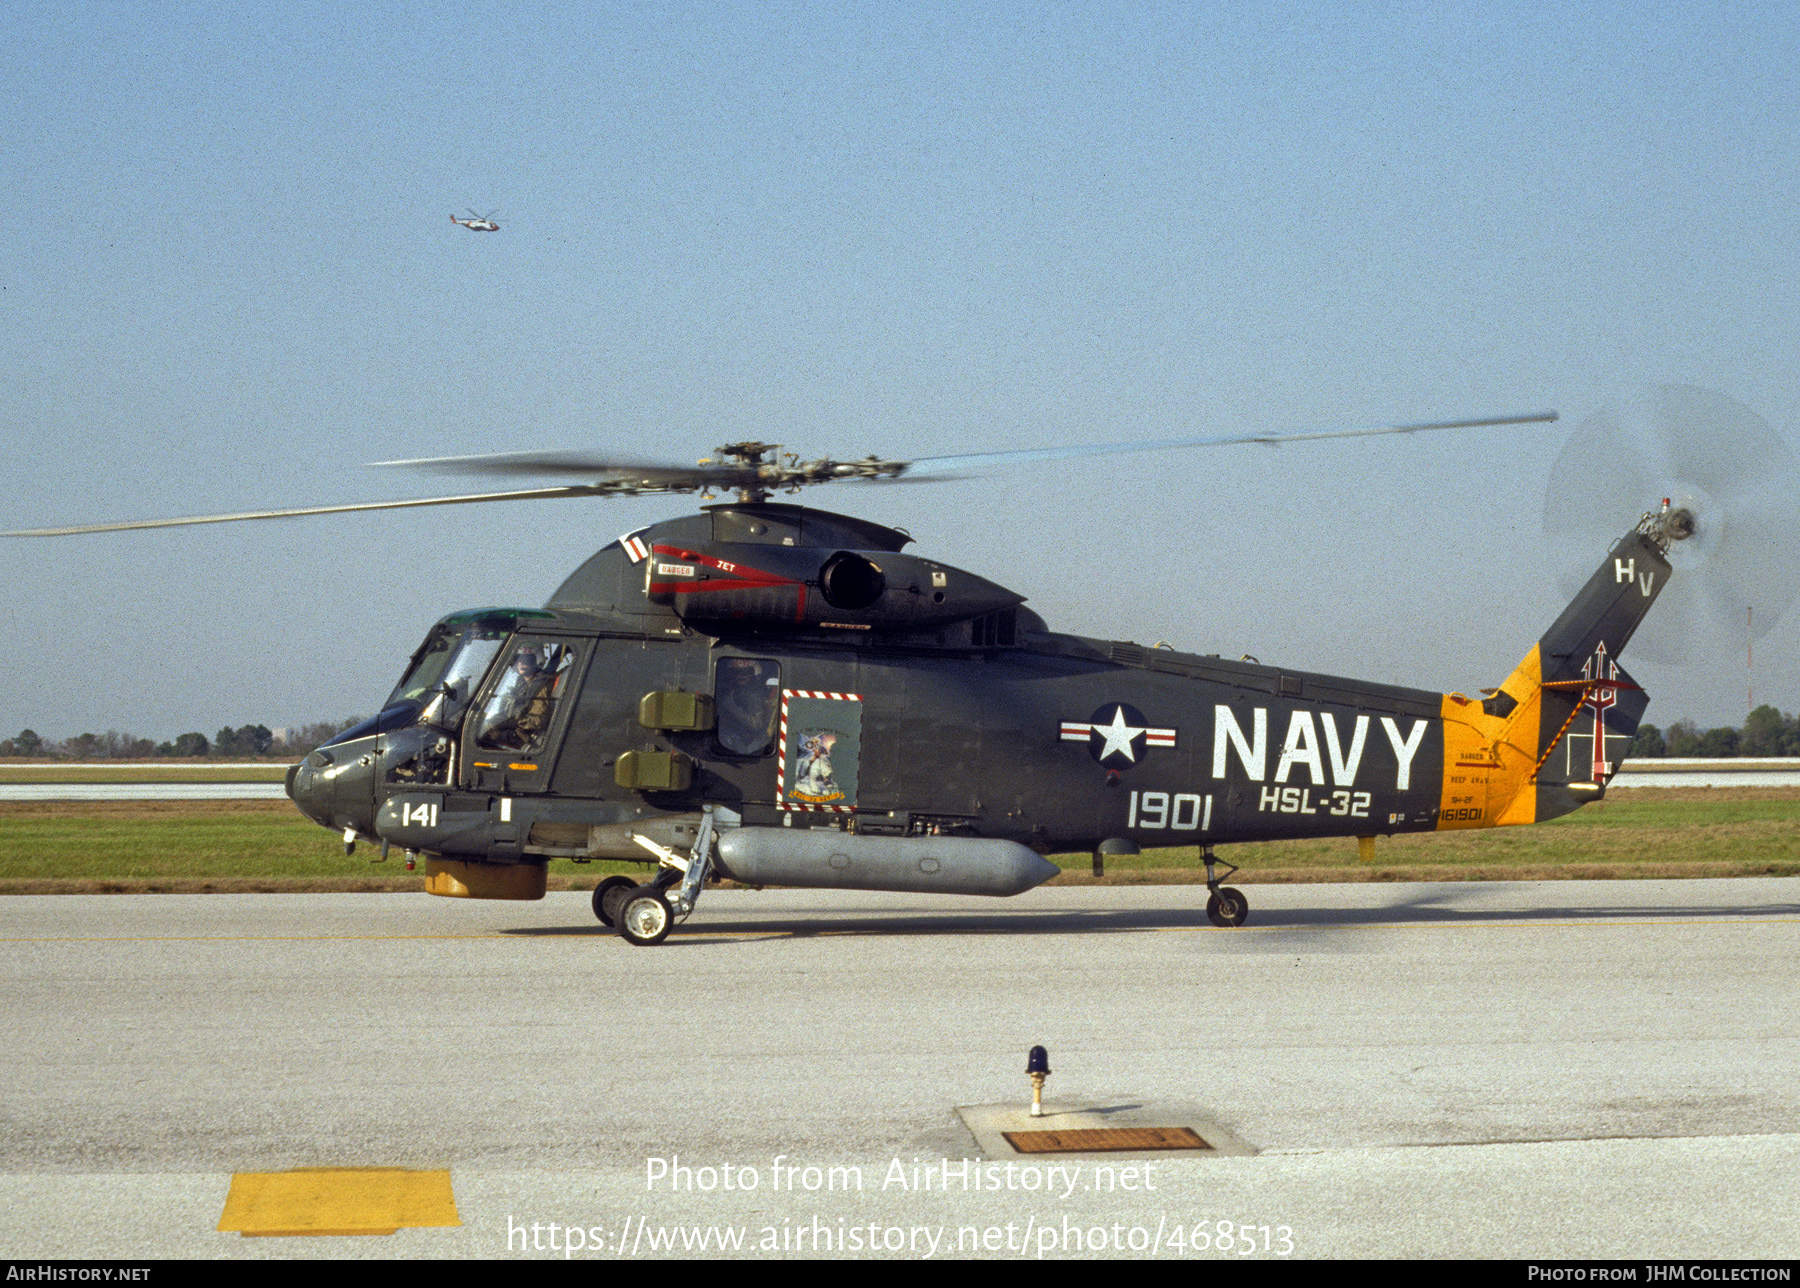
(821, 743)
(1117, 735)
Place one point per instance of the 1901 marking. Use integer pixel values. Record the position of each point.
(1180, 812)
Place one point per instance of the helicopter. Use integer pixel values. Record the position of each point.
(478, 223)
(783, 696)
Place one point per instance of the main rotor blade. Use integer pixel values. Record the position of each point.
(534, 494)
(660, 474)
(614, 477)
(581, 464)
(930, 464)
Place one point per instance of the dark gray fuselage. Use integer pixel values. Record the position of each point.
(903, 698)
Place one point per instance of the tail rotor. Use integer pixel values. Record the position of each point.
(1733, 520)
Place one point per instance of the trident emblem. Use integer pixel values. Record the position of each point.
(1598, 699)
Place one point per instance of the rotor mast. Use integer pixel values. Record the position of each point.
(760, 463)
(761, 470)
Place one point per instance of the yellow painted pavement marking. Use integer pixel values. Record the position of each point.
(225, 939)
(1468, 921)
(1471, 923)
(337, 1200)
(1477, 922)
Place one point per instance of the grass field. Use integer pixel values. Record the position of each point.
(138, 846)
(180, 773)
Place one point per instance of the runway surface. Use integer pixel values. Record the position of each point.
(1559, 1069)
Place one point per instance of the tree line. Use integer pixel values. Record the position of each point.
(1766, 732)
(226, 744)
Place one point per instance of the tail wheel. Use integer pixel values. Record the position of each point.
(645, 916)
(607, 897)
(1227, 908)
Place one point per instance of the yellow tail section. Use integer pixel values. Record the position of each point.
(1550, 738)
(1491, 752)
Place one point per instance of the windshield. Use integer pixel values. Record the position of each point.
(447, 668)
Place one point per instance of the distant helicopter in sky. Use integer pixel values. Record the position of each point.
(479, 224)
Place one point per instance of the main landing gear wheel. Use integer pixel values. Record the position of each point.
(608, 895)
(645, 916)
(1227, 908)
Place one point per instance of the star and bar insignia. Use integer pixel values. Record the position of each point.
(1117, 734)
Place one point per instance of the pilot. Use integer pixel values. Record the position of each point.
(747, 693)
(520, 707)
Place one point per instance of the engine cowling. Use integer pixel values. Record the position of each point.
(809, 588)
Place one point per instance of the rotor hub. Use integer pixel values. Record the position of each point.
(1669, 525)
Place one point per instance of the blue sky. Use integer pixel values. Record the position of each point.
(230, 280)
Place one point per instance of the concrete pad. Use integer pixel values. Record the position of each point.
(990, 1123)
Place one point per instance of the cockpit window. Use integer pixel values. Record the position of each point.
(747, 699)
(447, 655)
(446, 670)
(517, 714)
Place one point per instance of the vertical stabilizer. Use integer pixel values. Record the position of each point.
(1607, 611)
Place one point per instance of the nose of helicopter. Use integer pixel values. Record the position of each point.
(335, 787)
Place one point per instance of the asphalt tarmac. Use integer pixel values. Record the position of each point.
(1545, 1070)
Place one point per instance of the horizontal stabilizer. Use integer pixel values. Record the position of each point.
(1596, 719)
